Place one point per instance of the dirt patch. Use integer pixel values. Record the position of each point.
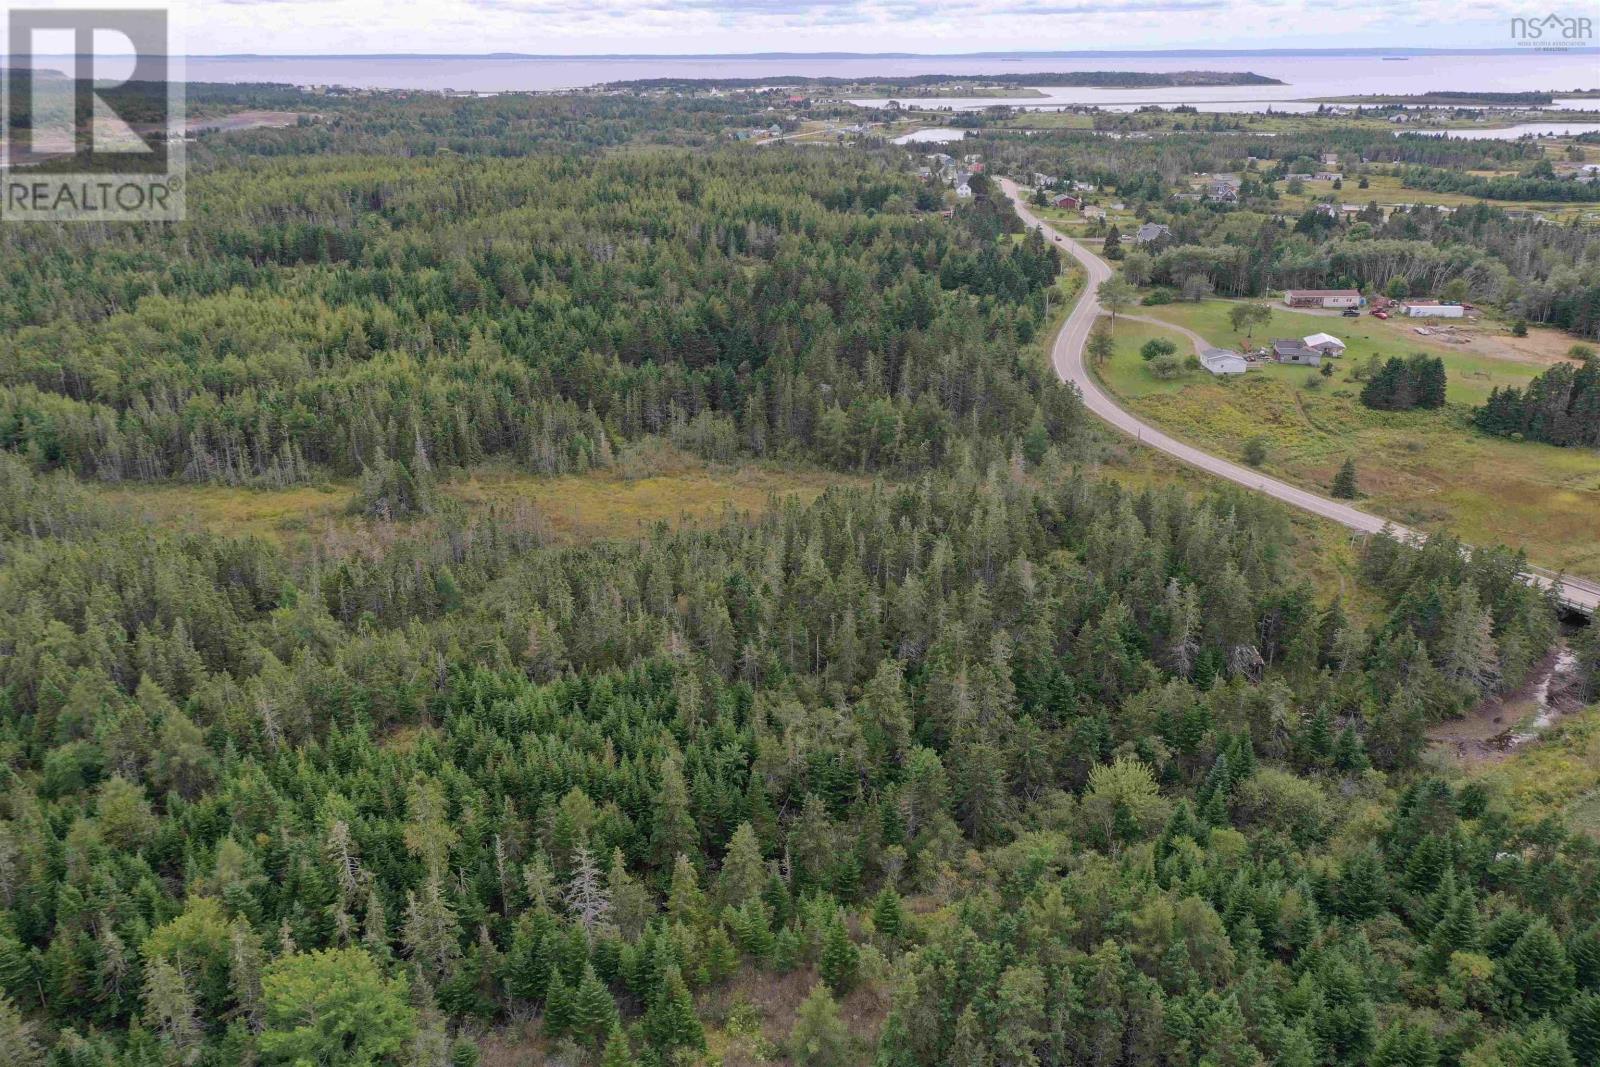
(1545, 347)
(1500, 725)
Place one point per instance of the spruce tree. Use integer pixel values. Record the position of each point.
(617, 1053)
(1536, 976)
(594, 1012)
(1583, 1027)
(559, 1010)
(670, 1020)
(1344, 482)
(1584, 951)
(888, 915)
(840, 957)
(1406, 1044)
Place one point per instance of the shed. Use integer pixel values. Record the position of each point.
(1221, 362)
(1325, 343)
(1290, 350)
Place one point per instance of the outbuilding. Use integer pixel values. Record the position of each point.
(1221, 362)
(1325, 343)
(1432, 309)
(1322, 298)
(1290, 350)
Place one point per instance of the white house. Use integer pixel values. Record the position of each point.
(1221, 362)
(1432, 309)
(963, 191)
(1325, 343)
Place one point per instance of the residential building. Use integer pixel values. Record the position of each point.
(1223, 191)
(963, 191)
(1322, 298)
(1094, 212)
(1151, 231)
(1067, 201)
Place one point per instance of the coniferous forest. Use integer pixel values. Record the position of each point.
(994, 759)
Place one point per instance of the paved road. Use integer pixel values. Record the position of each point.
(1068, 357)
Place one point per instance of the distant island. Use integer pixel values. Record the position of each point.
(1103, 79)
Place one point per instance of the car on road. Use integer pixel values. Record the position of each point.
(1380, 314)
(1352, 313)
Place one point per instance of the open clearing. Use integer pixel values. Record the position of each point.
(669, 488)
(1427, 469)
(1388, 190)
(1559, 776)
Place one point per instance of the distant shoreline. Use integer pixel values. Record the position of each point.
(1366, 53)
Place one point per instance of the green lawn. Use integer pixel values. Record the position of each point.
(1472, 375)
(1428, 469)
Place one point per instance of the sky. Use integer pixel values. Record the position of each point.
(589, 27)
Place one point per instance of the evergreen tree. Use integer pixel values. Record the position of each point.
(819, 1037)
(1583, 1027)
(617, 1053)
(1536, 976)
(888, 915)
(560, 1010)
(670, 1020)
(839, 958)
(1344, 483)
(1406, 1044)
(594, 1012)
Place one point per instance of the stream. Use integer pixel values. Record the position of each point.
(1501, 725)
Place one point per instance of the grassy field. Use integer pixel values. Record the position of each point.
(1426, 469)
(1474, 368)
(1558, 776)
(664, 487)
(1387, 190)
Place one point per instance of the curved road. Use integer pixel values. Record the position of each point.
(1068, 357)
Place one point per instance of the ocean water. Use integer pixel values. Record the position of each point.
(1511, 133)
(1304, 75)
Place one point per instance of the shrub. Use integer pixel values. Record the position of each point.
(1166, 368)
(1157, 347)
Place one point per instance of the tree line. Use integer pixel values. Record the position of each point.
(1559, 407)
